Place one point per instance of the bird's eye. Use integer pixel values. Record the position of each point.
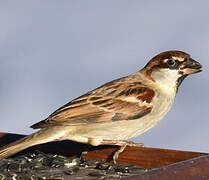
(171, 62)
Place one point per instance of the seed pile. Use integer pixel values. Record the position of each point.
(41, 166)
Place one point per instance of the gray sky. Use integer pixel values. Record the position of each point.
(54, 51)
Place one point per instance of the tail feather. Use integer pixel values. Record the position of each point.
(40, 137)
(13, 148)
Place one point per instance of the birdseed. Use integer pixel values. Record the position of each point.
(40, 166)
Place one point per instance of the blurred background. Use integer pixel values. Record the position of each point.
(54, 51)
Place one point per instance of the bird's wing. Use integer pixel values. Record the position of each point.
(115, 101)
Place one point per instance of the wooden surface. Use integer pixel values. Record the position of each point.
(145, 157)
(193, 169)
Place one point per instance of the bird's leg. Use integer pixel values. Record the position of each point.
(83, 153)
(123, 144)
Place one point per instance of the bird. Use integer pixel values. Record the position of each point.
(116, 111)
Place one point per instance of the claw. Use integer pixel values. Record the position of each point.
(122, 144)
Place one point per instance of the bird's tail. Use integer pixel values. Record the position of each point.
(39, 137)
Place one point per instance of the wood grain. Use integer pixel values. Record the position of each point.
(193, 169)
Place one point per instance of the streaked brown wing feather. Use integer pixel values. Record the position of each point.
(107, 103)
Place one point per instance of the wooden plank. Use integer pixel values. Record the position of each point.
(145, 157)
(193, 169)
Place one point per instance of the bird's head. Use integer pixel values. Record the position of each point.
(171, 67)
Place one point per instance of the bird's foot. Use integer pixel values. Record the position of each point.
(123, 144)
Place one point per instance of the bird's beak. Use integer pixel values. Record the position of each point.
(190, 66)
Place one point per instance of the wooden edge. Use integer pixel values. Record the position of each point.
(193, 169)
(141, 156)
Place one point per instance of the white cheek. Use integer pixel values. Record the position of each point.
(166, 78)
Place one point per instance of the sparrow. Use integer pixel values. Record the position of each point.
(116, 111)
